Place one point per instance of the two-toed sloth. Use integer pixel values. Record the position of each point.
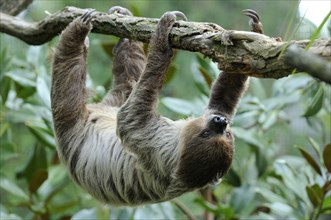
(121, 150)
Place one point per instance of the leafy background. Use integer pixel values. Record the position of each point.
(282, 160)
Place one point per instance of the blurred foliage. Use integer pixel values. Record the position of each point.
(282, 164)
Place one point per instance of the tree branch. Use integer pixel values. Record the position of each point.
(308, 62)
(235, 51)
(13, 7)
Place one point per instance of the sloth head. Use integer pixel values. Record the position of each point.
(206, 150)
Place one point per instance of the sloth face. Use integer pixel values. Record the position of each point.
(206, 151)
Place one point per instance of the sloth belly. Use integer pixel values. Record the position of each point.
(101, 165)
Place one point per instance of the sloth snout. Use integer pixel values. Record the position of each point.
(220, 120)
(218, 123)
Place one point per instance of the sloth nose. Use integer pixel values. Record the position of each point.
(220, 120)
(218, 123)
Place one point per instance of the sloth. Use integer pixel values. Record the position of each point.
(121, 150)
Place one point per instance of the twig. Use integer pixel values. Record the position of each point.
(184, 209)
(207, 194)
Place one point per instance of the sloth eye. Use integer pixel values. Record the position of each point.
(205, 133)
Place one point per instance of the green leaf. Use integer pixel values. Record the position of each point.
(208, 67)
(327, 157)
(5, 88)
(318, 31)
(13, 189)
(55, 183)
(99, 94)
(202, 88)
(122, 213)
(206, 76)
(42, 135)
(257, 89)
(39, 113)
(247, 136)
(271, 119)
(326, 208)
(226, 211)
(207, 206)
(63, 206)
(38, 207)
(199, 80)
(37, 179)
(290, 30)
(291, 85)
(4, 61)
(203, 74)
(294, 182)
(155, 211)
(261, 161)
(218, 210)
(283, 210)
(183, 107)
(24, 91)
(242, 200)
(315, 146)
(316, 103)
(7, 216)
(8, 152)
(35, 169)
(272, 194)
(233, 178)
(35, 55)
(170, 73)
(293, 14)
(85, 214)
(310, 160)
(315, 194)
(3, 128)
(43, 90)
(246, 118)
(20, 116)
(21, 77)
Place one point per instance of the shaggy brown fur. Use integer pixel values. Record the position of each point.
(121, 150)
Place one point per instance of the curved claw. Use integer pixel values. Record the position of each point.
(180, 15)
(120, 10)
(252, 14)
(254, 22)
(88, 16)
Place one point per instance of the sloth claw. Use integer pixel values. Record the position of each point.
(169, 18)
(252, 14)
(255, 23)
(88, 16)
(172, 15)
(119, 10)
(163, 29)
(179, 14)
